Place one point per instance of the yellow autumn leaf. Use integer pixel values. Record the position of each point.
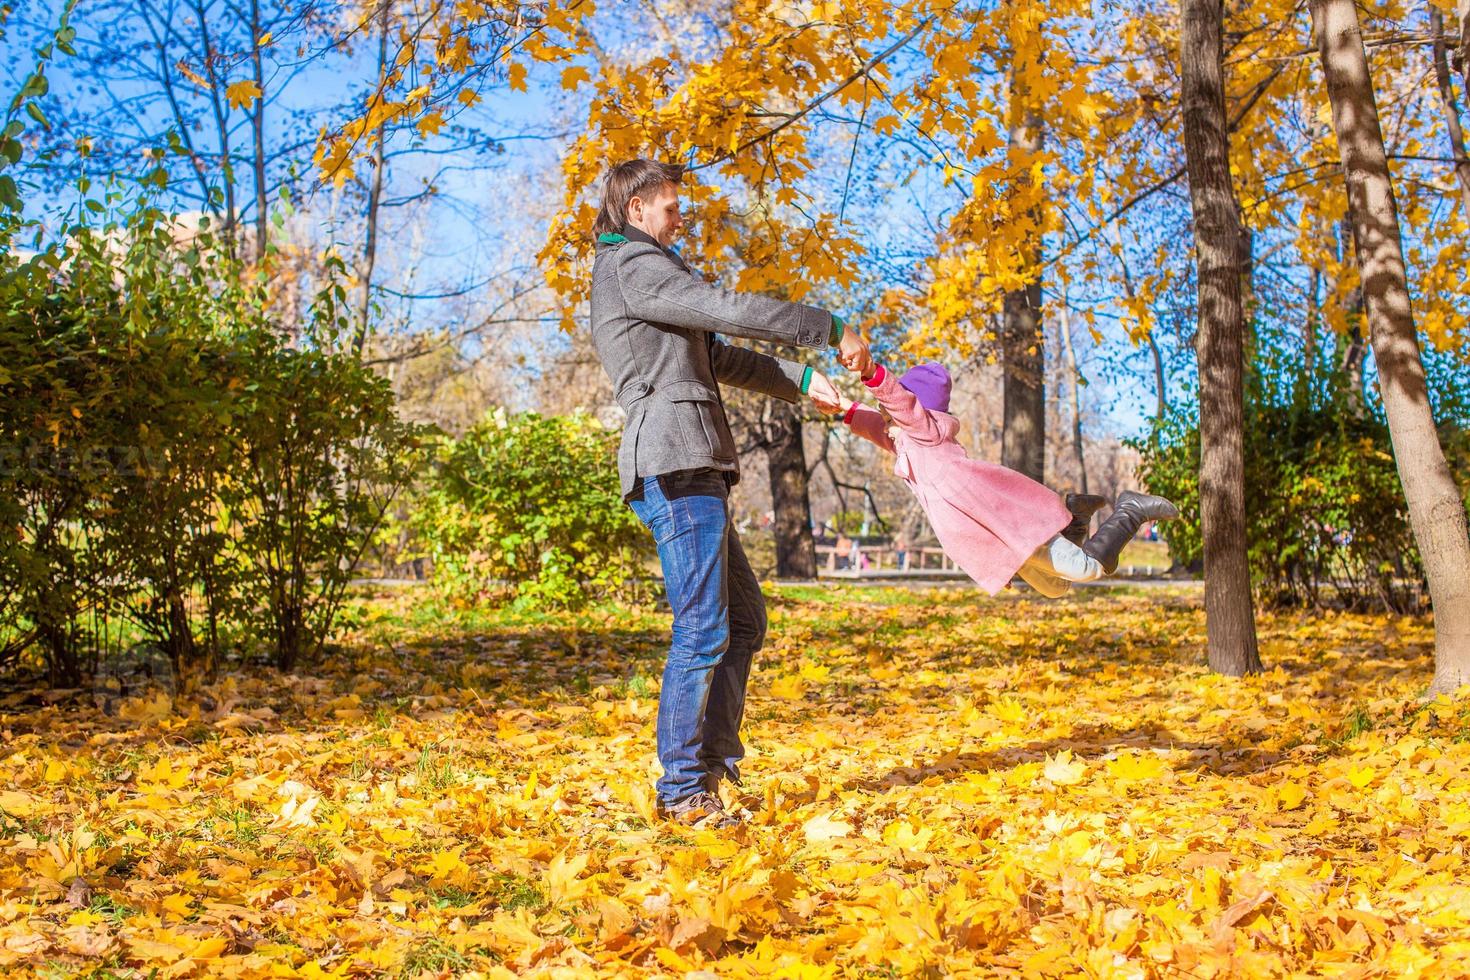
(1289, 796)
(19, 804)
(574, 76)
(516, 77)
(242, 94)
(149, 708)
(430, 123)
(1137, 766)
(1064, 769)
(789, 687)
(1361, 776)
(300, 805)
(179, 905)
(816, 673)
(1008, 709)
(825, 827)
(562, 878)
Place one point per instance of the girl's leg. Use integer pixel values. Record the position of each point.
(1057, 564)
(1037, 573)
(1070, 562)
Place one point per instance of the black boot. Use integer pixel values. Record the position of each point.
(1082, 506)
(1131, 512)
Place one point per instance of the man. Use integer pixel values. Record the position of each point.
(654, 324)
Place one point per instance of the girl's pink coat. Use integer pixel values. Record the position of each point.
(988, 518)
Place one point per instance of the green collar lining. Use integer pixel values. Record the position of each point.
(610, 238)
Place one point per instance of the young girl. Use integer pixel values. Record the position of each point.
(994, 522)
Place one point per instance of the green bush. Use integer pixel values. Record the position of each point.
(531, 503)
(323, 454)
(170, 464)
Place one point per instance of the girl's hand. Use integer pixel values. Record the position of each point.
(824, 394)
(860, 361)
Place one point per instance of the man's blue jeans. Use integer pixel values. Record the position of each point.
(719, 624)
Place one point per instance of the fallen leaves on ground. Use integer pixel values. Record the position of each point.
(937, 782)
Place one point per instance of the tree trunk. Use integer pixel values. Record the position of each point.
(1436, 511)
(796, 550)
(375, 197)
(227, 163)
(1310, 328)
(1451, 110)
(1162, 407)
(257, 122)
(1023, 392)
(1353, 349)
(1219, 341)
(1246, 261)
(1462, 14)
(1074, 376)
(1023, 385)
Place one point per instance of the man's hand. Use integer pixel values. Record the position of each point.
(824, 394)
(852, 351)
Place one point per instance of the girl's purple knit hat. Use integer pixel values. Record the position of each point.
(929, 383)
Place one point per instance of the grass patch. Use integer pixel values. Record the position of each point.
(436, 769)
(434, 956)
(512, 892)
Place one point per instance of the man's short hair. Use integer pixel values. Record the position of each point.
(634, 178)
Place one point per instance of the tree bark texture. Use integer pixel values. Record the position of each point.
(1219, 342)
(1436, 511)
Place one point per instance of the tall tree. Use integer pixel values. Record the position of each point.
(1436, 510)
(1219, 342)
(1462, 14)
(375, 192)
(1161, 403)
(781, 437)
(1451, 111)
(1353, 348)
(1074, 377)
(1022, 345)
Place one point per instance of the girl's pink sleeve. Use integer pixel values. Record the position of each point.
(868, 423)
(910, 416)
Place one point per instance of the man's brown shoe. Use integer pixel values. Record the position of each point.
(703, 811)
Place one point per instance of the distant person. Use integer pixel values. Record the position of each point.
(843, 551)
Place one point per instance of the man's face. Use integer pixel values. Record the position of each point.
(658, 215)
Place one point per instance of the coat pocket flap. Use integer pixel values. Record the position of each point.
(632, 394)
(687, 391)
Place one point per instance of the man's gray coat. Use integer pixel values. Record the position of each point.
(654, 324)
